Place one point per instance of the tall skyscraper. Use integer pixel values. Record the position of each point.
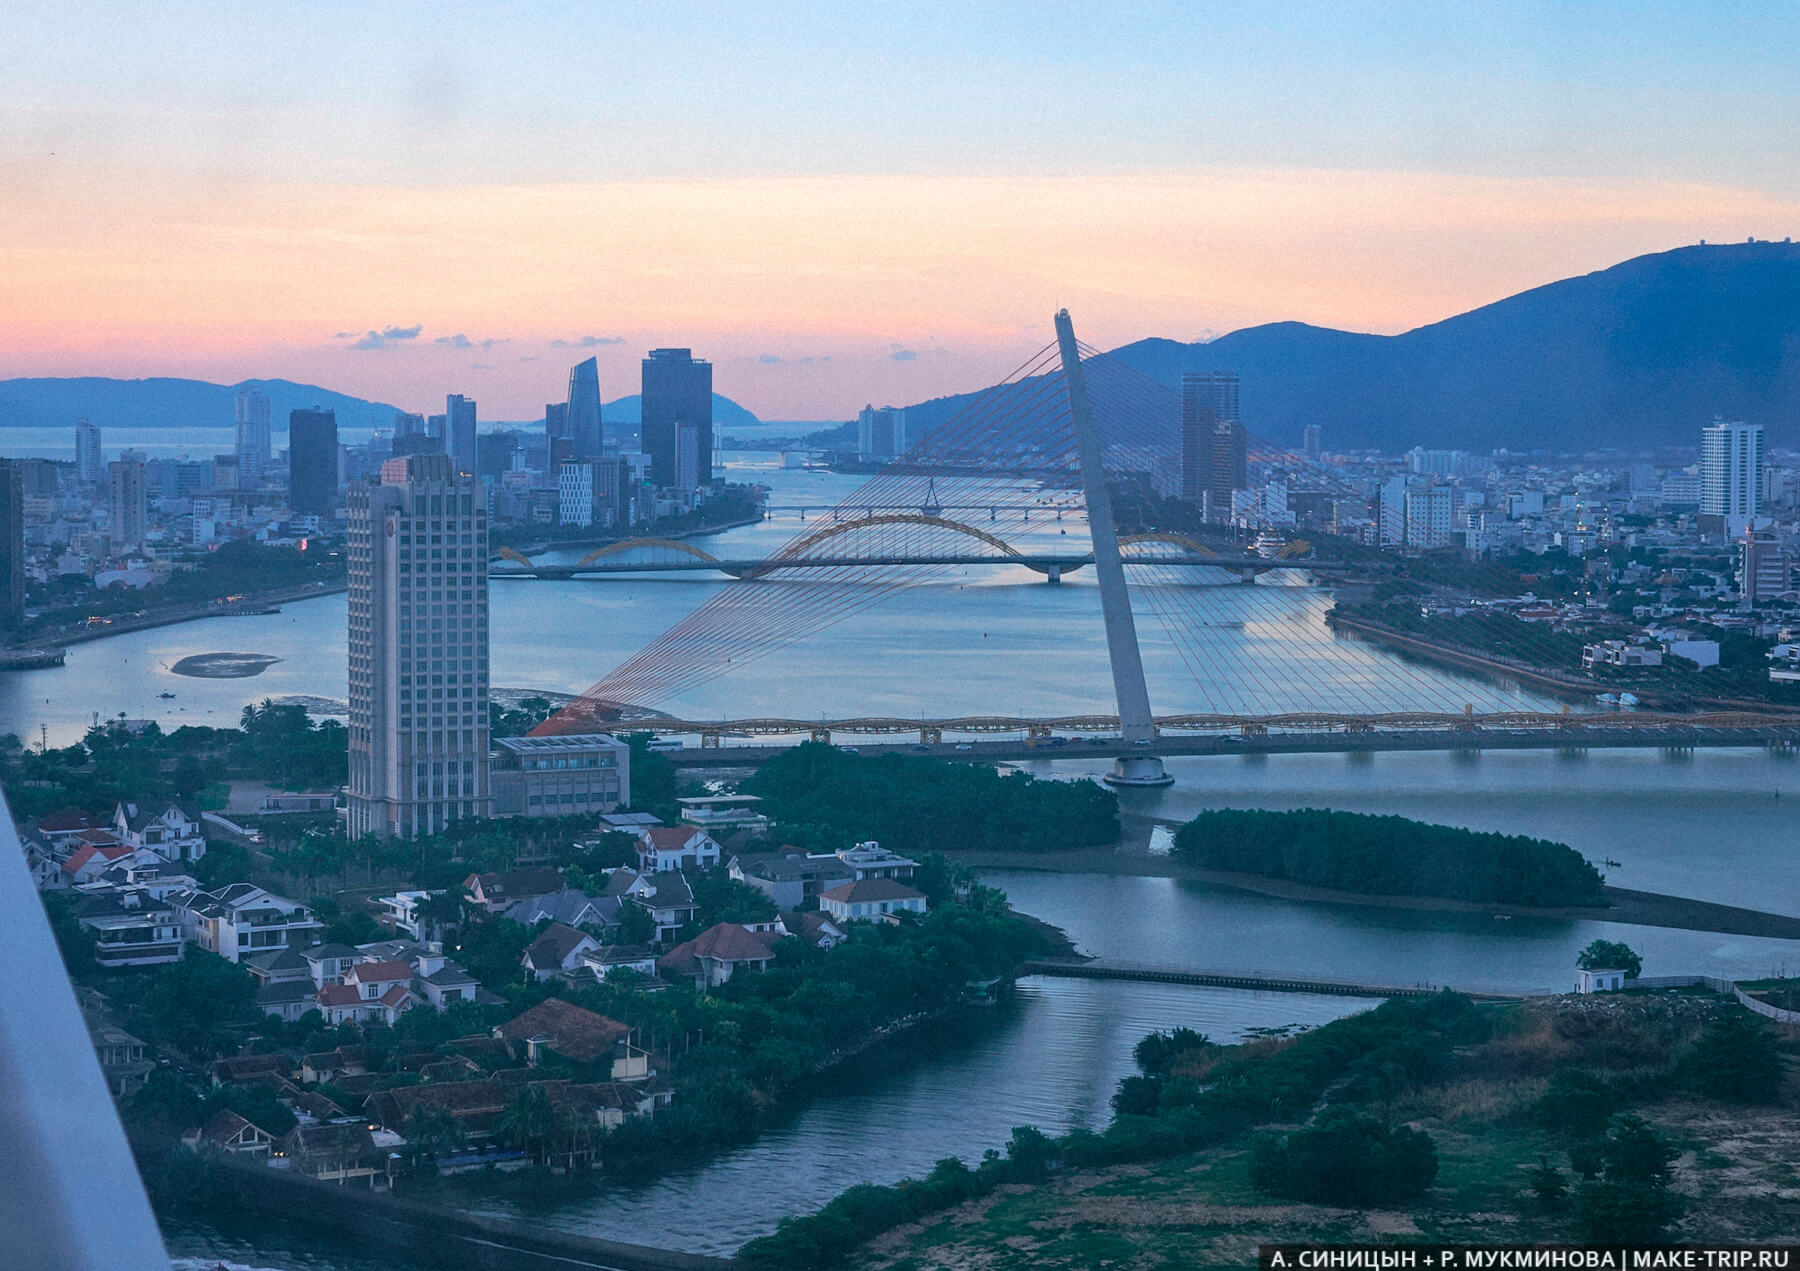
(880, 434)
(252, 448)
(559, 447)
(407, 424)
(12, 545)
(89, 463)
(1208, 398)
(1731, 482)
(127, 502)
(418, 645)
(1312, 442)
(312, 461)
(676, 390)
(584, 428)
(459, 432)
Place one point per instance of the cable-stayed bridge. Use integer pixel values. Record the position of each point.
(1043, 454)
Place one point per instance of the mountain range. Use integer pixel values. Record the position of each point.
(1633, 357)
(180, 403)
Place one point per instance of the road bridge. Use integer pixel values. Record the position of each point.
(1052, 565)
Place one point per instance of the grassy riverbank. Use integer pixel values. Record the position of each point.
(1616, 1118)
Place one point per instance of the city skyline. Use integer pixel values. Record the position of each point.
(1497, 157)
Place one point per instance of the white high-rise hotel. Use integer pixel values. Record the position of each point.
(1731, 461)
(418, 649)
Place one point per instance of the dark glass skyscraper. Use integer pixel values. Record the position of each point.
(583, 423)
(12, 545)
(312, 460)
(677, 390)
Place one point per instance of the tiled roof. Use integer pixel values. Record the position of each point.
(571, 1031)
(378, 972)
(339, 995)
(871, 889)
(725, 942)
(556, 944)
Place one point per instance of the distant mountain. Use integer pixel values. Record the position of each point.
(630, 411)
(1636, 356)
(169, 403)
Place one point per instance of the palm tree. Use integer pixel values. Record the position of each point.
(528, 1120)
(439, 911)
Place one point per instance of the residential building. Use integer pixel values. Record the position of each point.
(12, 545)
(336, 1153)
(1765, 568)
(880, 434)
(251, 448)
(312, 461)
(676, 847)
(496, 892)
(1620, 654)
(791, 877)
(459, 433)
(871, 898)
(131, 927)
(90, 461)
(568, 906)
(1731, 482)
(718, 953)
(125, 1061)
(872, 860)
(226, 1131)
(1428, 517)
(579, 1035)
(640, 959)
(163, 827)
(669, 899)
(575, 493)
(243, 919)
(584, 427)
(418, 650)
(557, 952)
(723, 812)
(127, 503)
(677, 390)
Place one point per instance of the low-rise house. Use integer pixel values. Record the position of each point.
(125, 1061)
(236, 1069)
(449, 983)
(90, 860)
(662, 849)
(575, 1034)
(670, 902)
(340, 1004)
(61, 828)
(242, 919)
(43, 862)
(401, 912)
(333, 1152)
(790, 877)
(226, 1131)
(494, 892)
(333, 1065)
(163, 827)
(718, 953)
(568, 906)
(279, 966)
(637, 958)
(326, 963)
(873, 898)
(872, 860)
(557, 952)
(814, 928)
(718, 813)
(288, 1000)
(131, 928)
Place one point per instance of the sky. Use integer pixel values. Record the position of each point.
(837, 204)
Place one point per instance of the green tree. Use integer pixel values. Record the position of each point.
(1736, 1059)
(1549, 1186)
(1610, 955)
(1631, 1202)
(636, 924)
(528, 1121)
(1346, 1158)
(433, 1132)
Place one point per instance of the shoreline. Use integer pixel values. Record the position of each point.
(251, 605)
(1630, 907)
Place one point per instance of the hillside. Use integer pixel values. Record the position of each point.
(169, 403)
(629, 411)
(1638, 355)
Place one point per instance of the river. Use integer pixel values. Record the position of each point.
(1716, 825)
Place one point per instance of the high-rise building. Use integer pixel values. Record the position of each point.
(880, 434)
(559, 447)
(583, 424)
(312, 461)
(1209, 399)
(676, 390)
(459, 432)
(575, 493)
(252, 437)
(1731, 461)
(1428, 511)
(1765, 568)
(127, 502)
(12, 545)
(418, 645)
(89, 463)
(1312, 442)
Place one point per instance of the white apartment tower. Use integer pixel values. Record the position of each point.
(89, 463)
(1731, 460)
(418, 650)
(252, 437)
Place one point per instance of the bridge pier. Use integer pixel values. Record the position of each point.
(1138, 772)
(1053, 574)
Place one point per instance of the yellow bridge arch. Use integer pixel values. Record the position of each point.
(635, 544)
(836, 529)
(1174, 540)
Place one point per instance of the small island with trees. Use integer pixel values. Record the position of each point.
(1391, 856)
